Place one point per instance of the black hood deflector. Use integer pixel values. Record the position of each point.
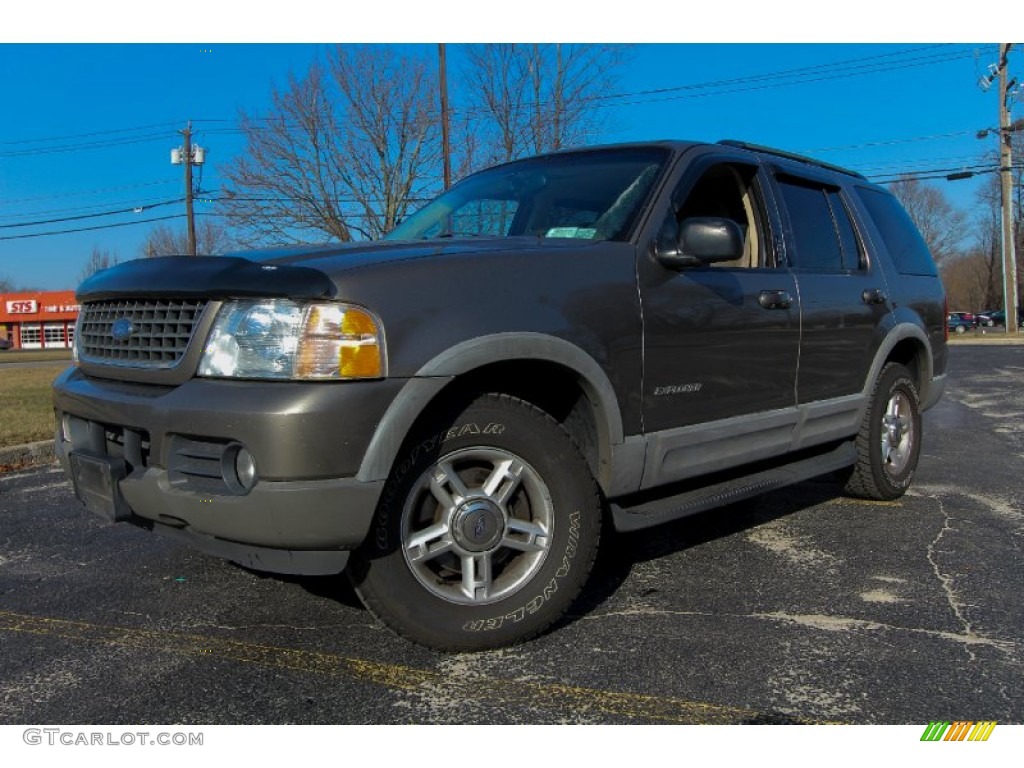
(212, 277)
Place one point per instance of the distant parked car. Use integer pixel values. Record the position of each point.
(999, 317)
(968, 317)
(5, 344)
(984, 318)
(957, 323)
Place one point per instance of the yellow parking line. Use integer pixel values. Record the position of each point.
(866, 502)
(575, 702)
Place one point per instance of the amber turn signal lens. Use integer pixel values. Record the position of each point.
(339, 341)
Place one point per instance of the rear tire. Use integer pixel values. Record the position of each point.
(486, 530)
(889, 441)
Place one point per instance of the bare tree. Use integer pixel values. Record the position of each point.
(6, 284)
(99, 259)
(971, 280)
(392, 140)
(342, 154)
(529, 98)
(990, 230)
(212, 239)
(943, 226)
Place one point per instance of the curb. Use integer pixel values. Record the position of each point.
(28, 455)
(967, 339)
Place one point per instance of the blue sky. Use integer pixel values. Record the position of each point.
(909, 104)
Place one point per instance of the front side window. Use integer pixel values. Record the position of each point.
(727, 191)
(582, 195)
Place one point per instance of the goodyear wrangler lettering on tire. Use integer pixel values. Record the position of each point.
(490, 521)
(549, 589)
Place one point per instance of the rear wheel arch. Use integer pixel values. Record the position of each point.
(908, 346)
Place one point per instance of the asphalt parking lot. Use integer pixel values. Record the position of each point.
(799, 607)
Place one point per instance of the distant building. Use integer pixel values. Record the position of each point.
(38, 319)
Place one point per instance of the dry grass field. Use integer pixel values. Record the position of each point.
(26, 408)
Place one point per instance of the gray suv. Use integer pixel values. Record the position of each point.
(607, 338)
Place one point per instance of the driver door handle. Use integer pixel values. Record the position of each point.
(873, 296)
(775, 299)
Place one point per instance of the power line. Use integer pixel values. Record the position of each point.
(939, 173)
(844, 64)
(821, 72)
(83, 192)
(911, 165)
(133, 203)
(102, 144)
(92, 229)
(744, 89)
(891, 142)
(86, 135)
(136, 209)
(795, 76)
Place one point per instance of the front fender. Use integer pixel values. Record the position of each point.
(437, 373)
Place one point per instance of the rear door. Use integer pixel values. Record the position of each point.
(844, 300)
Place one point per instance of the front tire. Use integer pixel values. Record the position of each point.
(486, 531)
(889, 441)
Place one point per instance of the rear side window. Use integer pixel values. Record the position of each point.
(823, 237)
(905, 245)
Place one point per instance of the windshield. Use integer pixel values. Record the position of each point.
(594, 195)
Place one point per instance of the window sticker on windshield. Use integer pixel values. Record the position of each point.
(584, 233)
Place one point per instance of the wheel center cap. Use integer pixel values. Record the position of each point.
(478, 525)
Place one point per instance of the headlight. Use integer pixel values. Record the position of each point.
(284, 339)
(76, 339)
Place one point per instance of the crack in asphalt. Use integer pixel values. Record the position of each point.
(947, 581)
(827, 623)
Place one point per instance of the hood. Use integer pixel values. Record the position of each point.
(342, 257)
(299, 272)
(207, 277)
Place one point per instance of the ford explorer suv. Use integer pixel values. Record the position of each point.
(589, 341)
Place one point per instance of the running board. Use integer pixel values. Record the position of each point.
(663, 510)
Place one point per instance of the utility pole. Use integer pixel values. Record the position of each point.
(188, 155)
(1006, 193)
(446, 150)
(189, 213)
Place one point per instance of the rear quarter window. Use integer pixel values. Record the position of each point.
(906, 247)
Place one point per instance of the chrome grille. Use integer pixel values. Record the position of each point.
(157, 337)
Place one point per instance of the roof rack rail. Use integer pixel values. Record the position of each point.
(790, 156)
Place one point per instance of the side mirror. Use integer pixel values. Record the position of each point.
(701, 240)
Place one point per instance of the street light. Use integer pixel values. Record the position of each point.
(1016, 125)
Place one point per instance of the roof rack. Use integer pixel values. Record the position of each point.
(790, 156)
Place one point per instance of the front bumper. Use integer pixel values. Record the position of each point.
(168, 445)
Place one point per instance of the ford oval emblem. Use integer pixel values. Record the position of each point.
(122, 329)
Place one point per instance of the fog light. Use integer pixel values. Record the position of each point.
(245, 468)
(238, 467)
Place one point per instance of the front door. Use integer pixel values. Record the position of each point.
(720, 341)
